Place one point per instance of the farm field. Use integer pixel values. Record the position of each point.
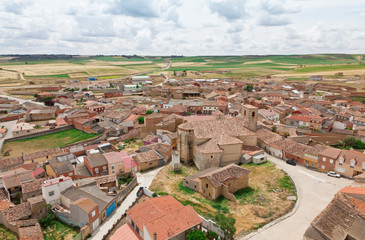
(41, 72)
(263, 201)
(49, 141)
(244, 67)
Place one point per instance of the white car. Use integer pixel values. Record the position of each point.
(333, 174)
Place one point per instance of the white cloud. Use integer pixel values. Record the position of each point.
(188, 27)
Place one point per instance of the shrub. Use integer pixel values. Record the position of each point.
(196, 234)
(140, 119)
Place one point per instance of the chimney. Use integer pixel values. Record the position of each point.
(155, 236)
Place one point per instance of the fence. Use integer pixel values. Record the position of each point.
(209, 225)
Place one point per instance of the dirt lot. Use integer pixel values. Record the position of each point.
(262, 202)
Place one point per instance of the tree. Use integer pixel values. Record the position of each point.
(273, 129)
(226, 224)
(137, 85)
(140, 119)
(196, 234)
(359, 144)
(111, 85)
(248, 88)
(148, 112)
(350, 141)
(48, 102)
(35, 95)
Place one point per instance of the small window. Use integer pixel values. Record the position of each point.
(71, 174)
(352, 163)
(93, 213)
(150, 163)
(51, 193)
(211, 156)
(206, 185)
(96, 170)
(324, 159)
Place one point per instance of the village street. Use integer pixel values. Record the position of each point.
(315, 192)
(144, 180)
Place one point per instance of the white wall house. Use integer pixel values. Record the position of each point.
(51, 189)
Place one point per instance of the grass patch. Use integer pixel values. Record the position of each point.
(62, 231)
(246, 195)
(53, 140)
(7, 234)
(184, 189)
(285, 182)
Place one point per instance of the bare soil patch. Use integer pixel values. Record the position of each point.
(263, 201)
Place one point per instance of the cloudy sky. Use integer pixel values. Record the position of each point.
(182, 27)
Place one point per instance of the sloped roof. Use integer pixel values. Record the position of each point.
(174, 223)
(125, 232)
(164, 215)
(233, 127)
(219, 176)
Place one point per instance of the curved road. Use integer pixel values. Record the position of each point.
(315, 192)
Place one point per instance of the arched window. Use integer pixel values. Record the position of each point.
(253, 114)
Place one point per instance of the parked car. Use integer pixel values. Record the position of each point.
(291, 162)
(333, 174)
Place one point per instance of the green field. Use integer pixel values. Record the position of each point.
(53, 140)
(105, 67)
(50, 76)
(330, 68)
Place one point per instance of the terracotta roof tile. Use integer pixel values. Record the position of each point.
(125, 232)
(219, 176)
(153, 208)
(148, 156)
(174, 223)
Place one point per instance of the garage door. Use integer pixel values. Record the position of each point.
(110, 209)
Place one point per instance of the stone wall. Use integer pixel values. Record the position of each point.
(41, 133)
(124, 193)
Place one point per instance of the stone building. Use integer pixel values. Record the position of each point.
(216, 143)
(215, 182)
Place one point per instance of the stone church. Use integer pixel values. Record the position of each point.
(217, 143)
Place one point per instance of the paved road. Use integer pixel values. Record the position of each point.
(144, 180)
(315, 191)
(9, 125)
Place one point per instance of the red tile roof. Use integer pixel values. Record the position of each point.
(152, 209)
(301, 118)
(174, 223)
(125, 232)
(353, 190)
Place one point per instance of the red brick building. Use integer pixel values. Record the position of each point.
(113, 93)
(96, 164)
